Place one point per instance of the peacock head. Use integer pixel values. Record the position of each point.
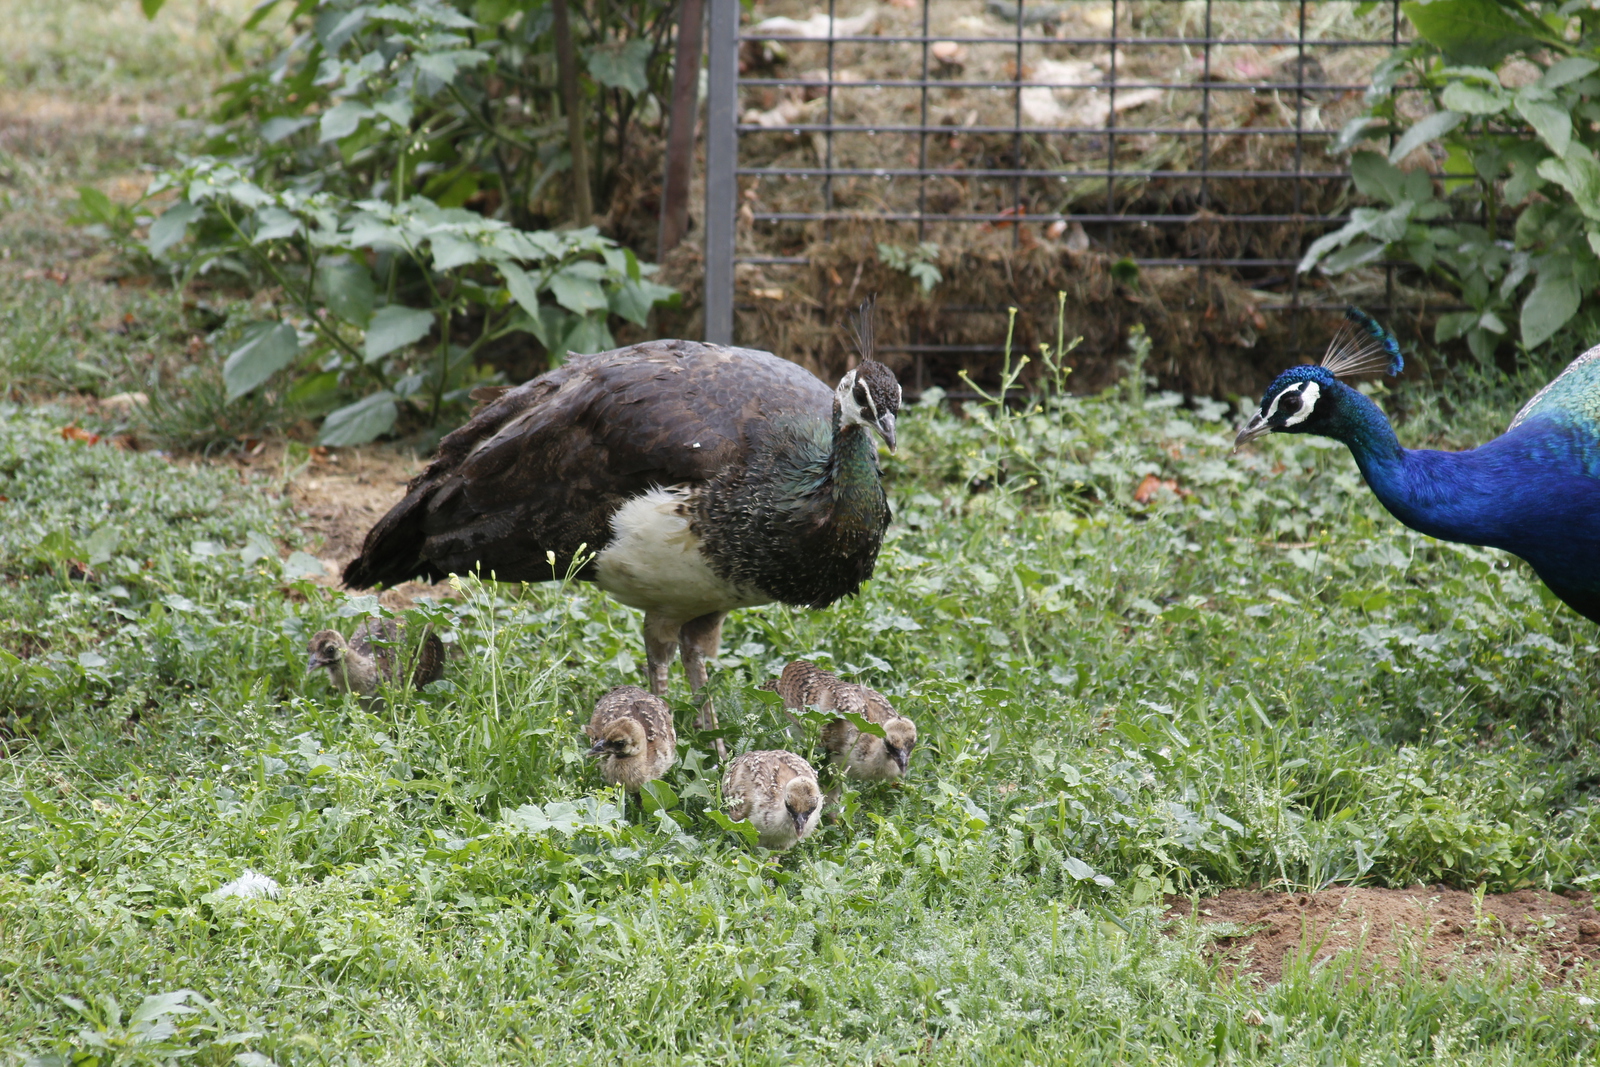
(1308, 398)
(869, 397)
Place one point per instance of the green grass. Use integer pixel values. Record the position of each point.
(1267, 681)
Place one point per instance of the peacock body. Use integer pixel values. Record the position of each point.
(1534, 491)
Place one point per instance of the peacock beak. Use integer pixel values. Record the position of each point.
(885, 427)
(1256, 427)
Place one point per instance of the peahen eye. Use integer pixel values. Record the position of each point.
(1290, 403)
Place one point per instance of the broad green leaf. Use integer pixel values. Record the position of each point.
(1568, 71)
(302, 565)
(742, 829)
(1474, 99)
(269, 347)
(273, 224)
(1353, 132)
(1579, 175)
(355, 424)
(450, 252)
(589, 334)
(151, 8)
(1453, 325)
(633, 299)
(1475, 32)
(522, 289)
(283, 127)
(102, 543)
(395, 327)
(313, 388)
(1554, 300)
(95, 205)
(343, 119)
(624, 66)
(1427, 129)
(348, 291)
(1376, 177)
(1354, 256)
(444, 66)
(169, 229)
(658, 796)
(578, 293)
(1550, 121)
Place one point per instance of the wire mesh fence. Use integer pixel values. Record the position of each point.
(971, 153)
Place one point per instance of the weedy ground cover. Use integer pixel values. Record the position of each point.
(1253, 677)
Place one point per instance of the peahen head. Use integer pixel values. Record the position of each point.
(1310, 398)
(869, 395)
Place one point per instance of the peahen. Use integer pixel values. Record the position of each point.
(1534, 491)
(686, 479)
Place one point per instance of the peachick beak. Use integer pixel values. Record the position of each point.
(886, 428)
(599, 749)
(1256, 427)
(314, 661)
(799, 822)
(902, 758)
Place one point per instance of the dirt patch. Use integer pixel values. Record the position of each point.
(1441, 925)
(337, 495)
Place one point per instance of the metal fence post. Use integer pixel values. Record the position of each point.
(722, 152)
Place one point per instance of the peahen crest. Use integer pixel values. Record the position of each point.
(1362, 346)
(866, 343)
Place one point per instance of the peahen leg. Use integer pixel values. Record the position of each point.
(660, 648)
(701, 639)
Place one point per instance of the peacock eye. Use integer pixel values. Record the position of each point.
(861, 395)
(1290, 403)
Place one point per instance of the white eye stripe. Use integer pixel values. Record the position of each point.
(1308, 392)
(1308, 400)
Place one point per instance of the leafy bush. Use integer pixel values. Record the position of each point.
(457, 101)
(1513, 86)
(342, 267)
(353, 152)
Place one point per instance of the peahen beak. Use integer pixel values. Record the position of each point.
(885, 427)
(1256, 427)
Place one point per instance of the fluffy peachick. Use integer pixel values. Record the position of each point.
(1534, 491)
(371, 657)
(860, 754)
(777, 792)
(685, 479)
(633, 737)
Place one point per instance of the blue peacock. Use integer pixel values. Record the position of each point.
(1534, 491)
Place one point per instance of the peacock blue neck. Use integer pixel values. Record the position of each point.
(1476, 497)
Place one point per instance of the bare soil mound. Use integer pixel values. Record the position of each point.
(1442, 926)
(338, 495)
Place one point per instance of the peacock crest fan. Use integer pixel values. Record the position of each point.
(1362, 346)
